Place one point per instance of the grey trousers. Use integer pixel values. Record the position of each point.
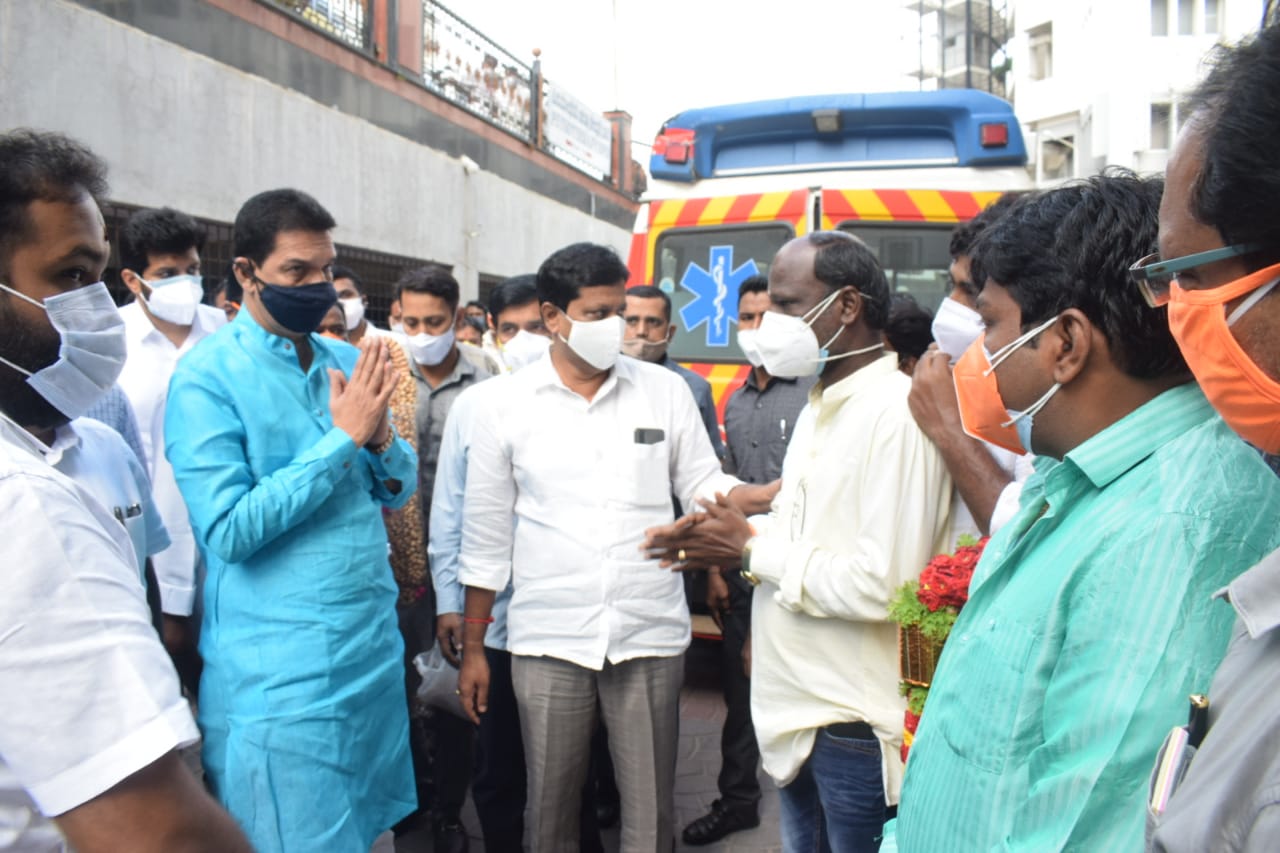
(640, 702)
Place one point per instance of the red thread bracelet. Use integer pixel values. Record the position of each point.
(476, 620)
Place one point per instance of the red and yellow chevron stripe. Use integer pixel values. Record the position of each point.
(787, 206)
(902, 205)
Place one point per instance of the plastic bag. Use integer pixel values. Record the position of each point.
(439, 687)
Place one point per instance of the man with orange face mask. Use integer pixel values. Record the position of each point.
(1217, 271)
(1087, 623)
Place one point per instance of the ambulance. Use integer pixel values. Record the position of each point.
(730, 184)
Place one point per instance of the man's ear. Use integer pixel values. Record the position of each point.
(551, 319)
(244, 272)
(851, 306)
(132, 281)
(1071, 341)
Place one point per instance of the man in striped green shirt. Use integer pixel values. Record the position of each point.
(1089, 619)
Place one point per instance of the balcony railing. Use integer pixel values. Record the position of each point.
(465, 67)
(347, 20)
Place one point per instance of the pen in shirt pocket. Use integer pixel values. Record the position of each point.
(782, 428)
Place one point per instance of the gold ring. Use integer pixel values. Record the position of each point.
(681, 555)
(458, 692)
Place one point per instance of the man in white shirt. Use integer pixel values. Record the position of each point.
(90, 712)
(865, 503)
(160, 264)
(354, 303)
(557, 500)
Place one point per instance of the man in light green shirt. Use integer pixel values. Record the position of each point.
(1089, 619)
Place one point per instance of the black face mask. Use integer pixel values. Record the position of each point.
(299, 309)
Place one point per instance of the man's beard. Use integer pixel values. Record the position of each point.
(32, 349)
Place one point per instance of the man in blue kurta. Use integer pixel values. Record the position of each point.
(1089, 618)
(281, 446)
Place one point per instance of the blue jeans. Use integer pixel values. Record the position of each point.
(836, 804)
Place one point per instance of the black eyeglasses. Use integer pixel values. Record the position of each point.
(1153, 276)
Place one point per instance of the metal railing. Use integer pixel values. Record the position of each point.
(347, 20)
(462, 65)
(470, 70)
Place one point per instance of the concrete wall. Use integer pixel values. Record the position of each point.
(182, 129)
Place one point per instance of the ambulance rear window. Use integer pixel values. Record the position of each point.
(916, 258)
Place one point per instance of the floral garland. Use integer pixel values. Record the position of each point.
(926, 610)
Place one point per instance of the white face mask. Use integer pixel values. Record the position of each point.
(353, 310)
(597, 342)
(92, 353)
(173, 299)
(788, 346)
(523, 349)
(650, 351)
(955, 328)
(397, 327)
(430, 350)
(747, 342)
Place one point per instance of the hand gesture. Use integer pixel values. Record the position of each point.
(473, 684)
(713, 537)
(359, 405)
(449, 636)
(933, 396)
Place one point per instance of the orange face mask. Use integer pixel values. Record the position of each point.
(1247, 399)
(982, 411)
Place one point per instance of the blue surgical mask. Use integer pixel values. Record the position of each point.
(298, 309)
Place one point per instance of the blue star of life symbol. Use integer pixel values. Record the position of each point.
(715, 292)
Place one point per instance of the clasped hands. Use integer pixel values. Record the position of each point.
(710, 537)
(359, 405)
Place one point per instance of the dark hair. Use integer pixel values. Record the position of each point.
(964, 235)
(648, 291)
(1071, 247)
(40, 166)
(1238, 189)
(842, 260)
(910, 327)
(512, 293)
(339, 271)
(433, 279)
(563, 275)
(157, 231)
(753, 284)
(474, 303)
(270, 213)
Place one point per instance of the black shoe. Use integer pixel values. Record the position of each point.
(450, 836)
(607, 813)
(719, 822)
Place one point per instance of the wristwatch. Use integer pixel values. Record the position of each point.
(746, 563)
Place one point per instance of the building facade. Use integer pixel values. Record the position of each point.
(200, 104)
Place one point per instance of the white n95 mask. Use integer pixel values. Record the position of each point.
(747, 343)
(523, 349)
(92, 353)
(788, 346)
(955, 328)
(174, 299)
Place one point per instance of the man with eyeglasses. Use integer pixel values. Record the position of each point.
(1086, 625)
(1220, 241)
